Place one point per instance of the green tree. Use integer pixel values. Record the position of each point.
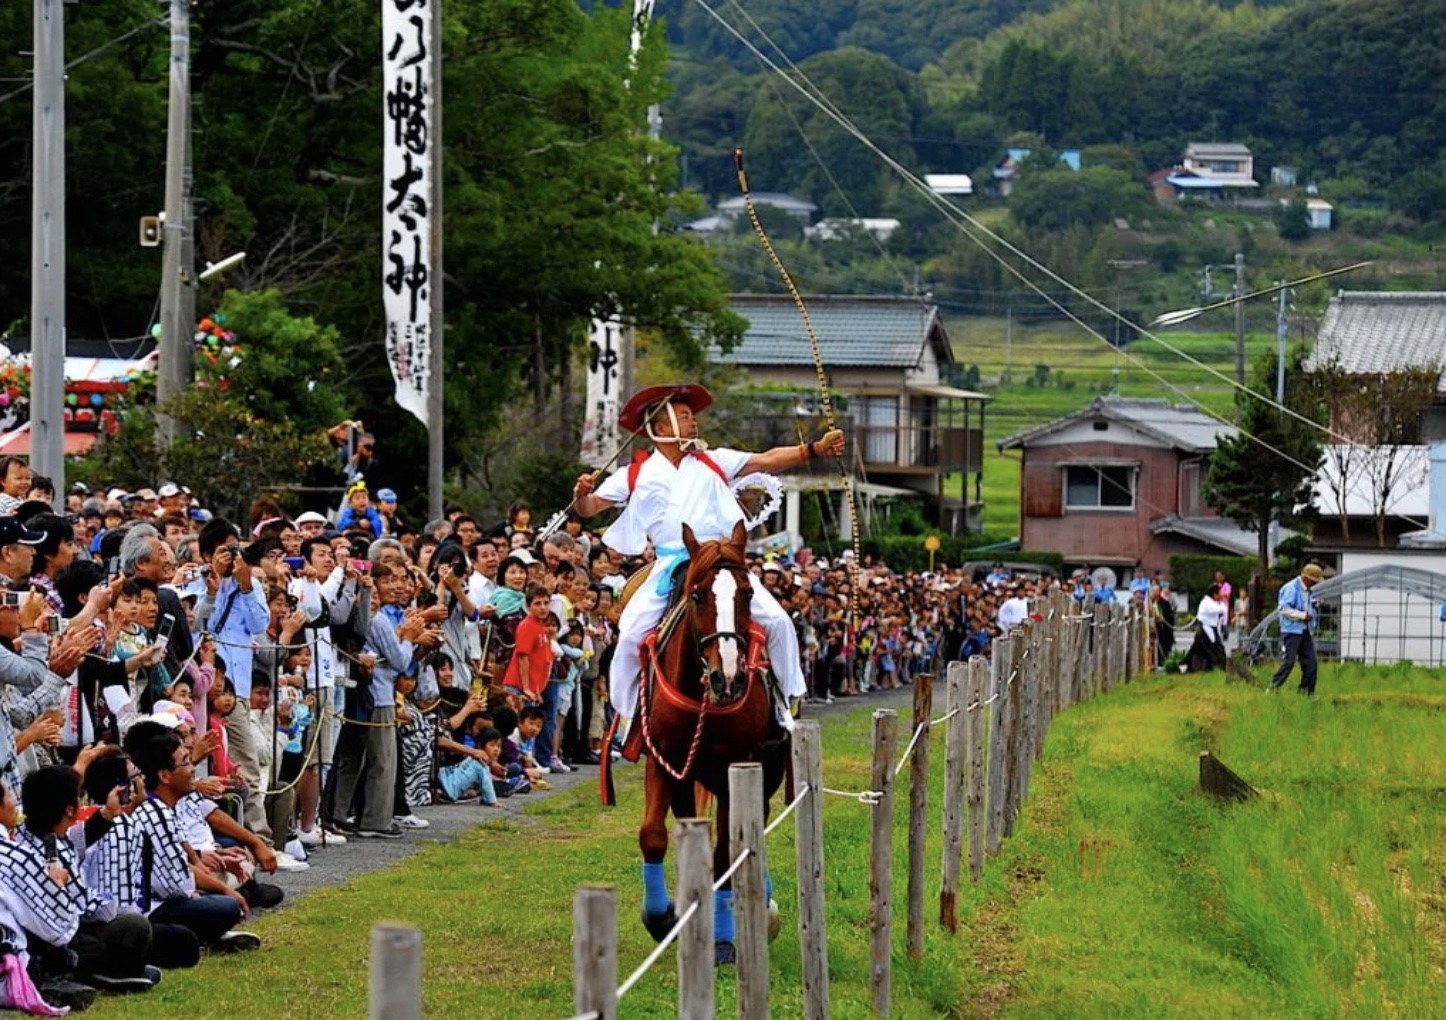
(1292, 220)
(1264, 472)
(1055, 199)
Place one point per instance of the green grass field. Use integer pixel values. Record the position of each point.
(1124, 892)
(1080, 368)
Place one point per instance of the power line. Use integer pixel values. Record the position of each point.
(963, 221)
(98, 51)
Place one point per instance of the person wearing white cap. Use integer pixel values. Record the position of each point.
(173, 500)
(310, 525)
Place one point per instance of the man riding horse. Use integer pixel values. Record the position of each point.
(682, 483)
(681, 499)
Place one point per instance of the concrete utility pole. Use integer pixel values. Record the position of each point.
(178, 293)
(436, 405)
(47, 248)
(1238, 292)
(1282, 331)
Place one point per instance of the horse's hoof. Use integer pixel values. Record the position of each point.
(659, 925)
(724, 954)
(775, 920)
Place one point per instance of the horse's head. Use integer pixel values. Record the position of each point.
(719, 590)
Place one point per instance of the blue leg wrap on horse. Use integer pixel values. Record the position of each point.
(768, 884)
(655, 890)
(723, 916)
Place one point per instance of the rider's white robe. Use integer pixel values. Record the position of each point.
(661, 501)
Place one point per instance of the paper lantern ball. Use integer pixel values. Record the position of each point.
(97, 400)
(156, 331)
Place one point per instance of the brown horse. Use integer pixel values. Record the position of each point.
(705, 705)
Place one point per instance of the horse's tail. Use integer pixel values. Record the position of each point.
(606, 790)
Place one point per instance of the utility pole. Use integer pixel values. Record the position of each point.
(178, 293)
(47, 248)
(436, 404)
(1237, 293)
(1282, 330)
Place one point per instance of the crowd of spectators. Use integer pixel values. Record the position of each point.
(193, 703)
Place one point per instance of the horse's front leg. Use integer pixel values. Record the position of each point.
(658, 913)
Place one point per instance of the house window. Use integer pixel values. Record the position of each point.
(1097, 487)
(881, 420)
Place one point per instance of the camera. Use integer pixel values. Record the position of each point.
(11, 599)
(205, 571)
(56, 625)
(233, 549)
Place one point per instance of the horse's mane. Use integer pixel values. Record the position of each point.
(709, 555)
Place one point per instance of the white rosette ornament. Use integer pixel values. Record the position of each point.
(760, 495)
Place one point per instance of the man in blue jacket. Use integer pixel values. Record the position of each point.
(1297, 621)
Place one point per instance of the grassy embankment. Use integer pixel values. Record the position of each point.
(1123, 893)
(1080, 369)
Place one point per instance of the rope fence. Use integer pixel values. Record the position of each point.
(997, 719)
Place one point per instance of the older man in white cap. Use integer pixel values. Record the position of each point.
(678, 483)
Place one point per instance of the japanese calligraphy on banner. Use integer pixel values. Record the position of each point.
(607, 344)
(407, 117)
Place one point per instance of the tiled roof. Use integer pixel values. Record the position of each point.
(1374, 332)
(1217, 531)
(1183, 427)
(853, 331)
(1217, 149)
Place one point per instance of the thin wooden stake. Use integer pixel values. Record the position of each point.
(978, 680)
(750, 891)
(808, 839)
(998, 714)
(694, 840)
(594, 952)
(956, 732)
(396, 973)
(919, 811)
(881, 861)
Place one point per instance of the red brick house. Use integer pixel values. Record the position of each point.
(1118, 484)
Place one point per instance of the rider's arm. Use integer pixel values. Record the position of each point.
(591, 498)
(781, 458)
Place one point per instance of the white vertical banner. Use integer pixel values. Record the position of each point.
(608, 341)
(408, 117)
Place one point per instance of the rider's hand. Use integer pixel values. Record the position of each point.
(584, 486)
(832, 443)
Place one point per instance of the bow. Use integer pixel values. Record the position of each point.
(793, 292)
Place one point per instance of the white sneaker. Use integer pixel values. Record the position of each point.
(309, 837)
(294, 849)
(334, 838)
(411, 822)
(558, 765)
(285, 862)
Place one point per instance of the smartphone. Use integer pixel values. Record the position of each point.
(124, 796)
(294, 562)
(112, 566)
(56, 625)
(361, 566)
(163, 632)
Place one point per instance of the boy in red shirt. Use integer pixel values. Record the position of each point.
(531, 664)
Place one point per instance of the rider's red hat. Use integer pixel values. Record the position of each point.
(696, 397)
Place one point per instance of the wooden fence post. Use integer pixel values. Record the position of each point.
(1014, 727)
(750, 891)
(1102, 649)
(1031, 698)
(998, 710)
(594, 951)
(956, 734)
(881, 861)
(693, 838)
(974, 698)
(396, 973)
(919, 810)
(808, 836)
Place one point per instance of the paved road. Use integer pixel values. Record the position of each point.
(337, 864)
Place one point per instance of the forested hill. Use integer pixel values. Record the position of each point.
(1352, 91)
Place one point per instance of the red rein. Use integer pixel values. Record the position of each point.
(755, 664)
